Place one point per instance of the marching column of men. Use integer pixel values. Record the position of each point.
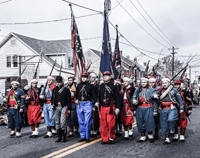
(165, 108)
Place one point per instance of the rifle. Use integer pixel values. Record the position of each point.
(60, 68)
(154, 69)
(129, 99)
(21, 73)
(182, 68)
(35, 74)
(43, 93)
(98, 94)
(147, 68)
(34, 77)
(182, 75)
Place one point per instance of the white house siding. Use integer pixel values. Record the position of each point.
(23, 50)
(90, 56)
(2, 85)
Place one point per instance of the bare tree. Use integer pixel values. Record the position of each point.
(165, 66)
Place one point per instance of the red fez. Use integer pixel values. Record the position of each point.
(73, 78)
(177, 82)
(84, 74)
(106, 73)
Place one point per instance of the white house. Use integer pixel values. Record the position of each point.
(30, 51)
(94, 56)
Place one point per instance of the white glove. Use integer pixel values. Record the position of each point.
(135, 102)
(181, 111)
(117, 111)
(155, 113)
(76, 101)
(5, 99)
(155, 96)
(97, 104)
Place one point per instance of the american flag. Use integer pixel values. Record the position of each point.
(78, 57)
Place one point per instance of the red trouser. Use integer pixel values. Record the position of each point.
(107, 123)
(182, 120)
(127, 120)
(33, 114)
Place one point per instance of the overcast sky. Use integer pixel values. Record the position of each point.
(178, 20)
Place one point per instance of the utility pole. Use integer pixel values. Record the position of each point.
(173, 59)
(107, 5)
(20, 66)
(195, 78)
(190, 76)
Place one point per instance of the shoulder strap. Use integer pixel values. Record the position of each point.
(82, 88)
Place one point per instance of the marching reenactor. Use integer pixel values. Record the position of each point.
(84, 95)
(95, 125)
(110, 105)
(34, 108)
(152, 82)
(26, 89)
(15, 100)
(169, 100)
(146, 110)
(182, 120)
(118, 125)
(48, 111)
(73, 120)
(61, 103)
(127, 108)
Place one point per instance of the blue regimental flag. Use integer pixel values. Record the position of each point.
(116, 58)
(106, 55)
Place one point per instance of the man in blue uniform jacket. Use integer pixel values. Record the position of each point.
(15, 100)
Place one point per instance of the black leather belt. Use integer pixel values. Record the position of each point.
(105, 105)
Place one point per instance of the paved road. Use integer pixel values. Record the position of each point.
(26, 147)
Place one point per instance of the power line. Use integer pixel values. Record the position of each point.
(48, 21)
(92, 38)
(82, 6)
(131, 43)
(149, 23)
(138, 47)
(113, 26)
(154, 22)
(141, 26)
(116, 5)
(5, 1)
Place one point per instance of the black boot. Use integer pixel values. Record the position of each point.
(59, 136)
(63, 136)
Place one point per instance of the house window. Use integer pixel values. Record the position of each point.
(69, 61)
(8, 61)
(15, 61)
(13, 42)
